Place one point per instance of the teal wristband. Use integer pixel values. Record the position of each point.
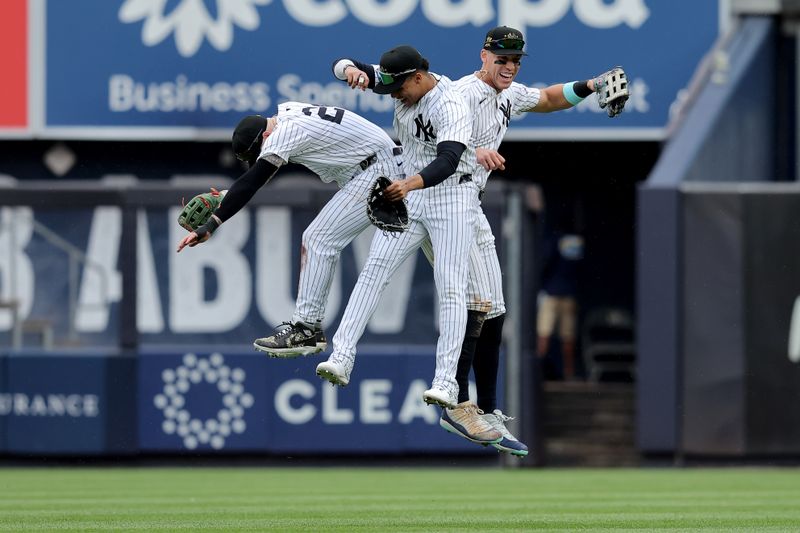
(569, 93)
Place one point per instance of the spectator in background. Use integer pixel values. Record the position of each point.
(558, 303)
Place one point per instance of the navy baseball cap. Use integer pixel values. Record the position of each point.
(246, 141)
(504, 41)
(396, 65)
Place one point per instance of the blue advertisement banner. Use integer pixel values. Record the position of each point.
(217, 401)
(192, 68)
(63, 403)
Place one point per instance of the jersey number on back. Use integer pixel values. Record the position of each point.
(322, 112)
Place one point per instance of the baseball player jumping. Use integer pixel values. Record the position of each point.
(434, 126)
(494, 97)
(337, 145)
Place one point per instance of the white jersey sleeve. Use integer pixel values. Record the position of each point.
(523, 98)
(286, 140)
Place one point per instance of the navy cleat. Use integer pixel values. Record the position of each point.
(509, 442)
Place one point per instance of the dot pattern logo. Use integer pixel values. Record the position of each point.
(194, 431)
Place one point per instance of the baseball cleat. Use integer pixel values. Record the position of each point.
(440, 397)
(292, 340)
(335, 370)
(465, 421)
(509, 442)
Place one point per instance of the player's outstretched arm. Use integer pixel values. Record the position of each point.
(611, 88)
(236, 198)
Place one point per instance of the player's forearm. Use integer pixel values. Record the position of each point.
(563, 96)
(243, 189)
(414, 182)
(448, 153)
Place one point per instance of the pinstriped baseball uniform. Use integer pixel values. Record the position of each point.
(338, 146)
(492, 113)
(445, 213)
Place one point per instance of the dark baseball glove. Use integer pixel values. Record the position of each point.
(386, 215)
(199, 209)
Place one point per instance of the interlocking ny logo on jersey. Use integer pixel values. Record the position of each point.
(192, 21)
(505, 109)
(423, 129)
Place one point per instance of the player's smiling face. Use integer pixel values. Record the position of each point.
(499, 71)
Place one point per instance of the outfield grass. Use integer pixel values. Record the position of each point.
(398, 499)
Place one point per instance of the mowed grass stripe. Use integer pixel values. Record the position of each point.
(394, 499)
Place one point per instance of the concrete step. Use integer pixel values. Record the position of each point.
(589, 424)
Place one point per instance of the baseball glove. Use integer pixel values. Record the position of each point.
(199, 209)
(386, 215)
(612, 91)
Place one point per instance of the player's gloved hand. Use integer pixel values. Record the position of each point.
(201, 234)
(386, 215)
(612, 91)
(199, 209)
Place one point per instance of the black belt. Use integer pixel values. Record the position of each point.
(365, 164)
(368, 161)
(466, 178)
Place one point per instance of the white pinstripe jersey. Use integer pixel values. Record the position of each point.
(440, 115)
(492, 113)
(329, 141)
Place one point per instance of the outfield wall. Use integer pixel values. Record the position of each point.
(216, 400)
(152, 350)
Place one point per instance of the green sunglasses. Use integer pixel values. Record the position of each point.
(508, 44)
(388, 79)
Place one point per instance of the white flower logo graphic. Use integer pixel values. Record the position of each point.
(172, 402)
(191, 21)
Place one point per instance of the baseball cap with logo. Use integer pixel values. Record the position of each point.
(504, 41)
(396, 65)
(246, 141)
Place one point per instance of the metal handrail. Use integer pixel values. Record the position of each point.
(76, 256)
(715, 63)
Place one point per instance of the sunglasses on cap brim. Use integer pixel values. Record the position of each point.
(507, 44)
(388, 78)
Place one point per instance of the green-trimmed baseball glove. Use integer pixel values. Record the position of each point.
(386, 215)
(199, 209)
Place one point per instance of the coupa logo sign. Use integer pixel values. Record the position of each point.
(204, 374)
(191, 21)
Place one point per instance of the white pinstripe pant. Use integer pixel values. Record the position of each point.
(342, 219)
(485, 280)
(446, 214)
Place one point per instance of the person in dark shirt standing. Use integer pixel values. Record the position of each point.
(558, 301)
